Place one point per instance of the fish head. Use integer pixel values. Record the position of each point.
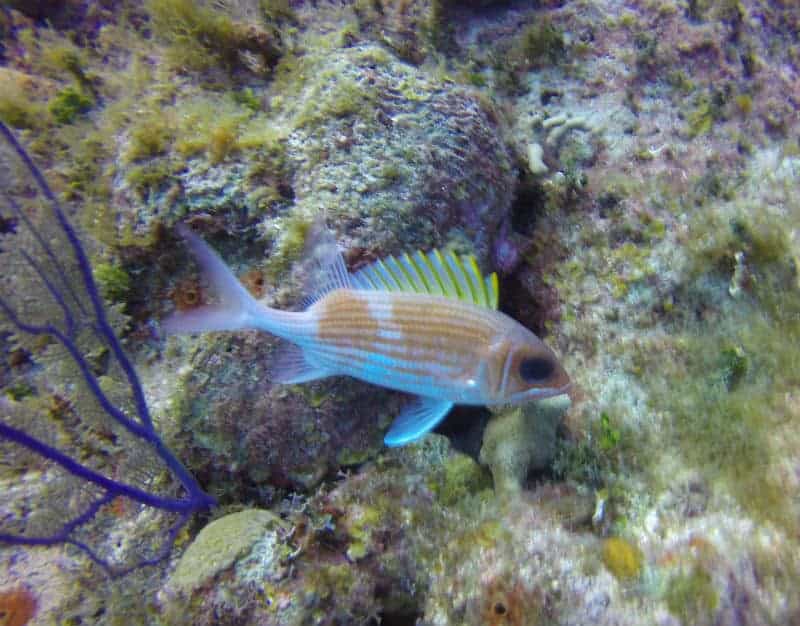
(522, 368)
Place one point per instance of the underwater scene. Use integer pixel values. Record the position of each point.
(400, 312)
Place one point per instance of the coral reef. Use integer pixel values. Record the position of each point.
(226, 569)
(459, 187)
(629, 169)
(266, 435)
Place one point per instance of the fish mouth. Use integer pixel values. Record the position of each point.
(565, 388)
(552, 393)
(531, 395)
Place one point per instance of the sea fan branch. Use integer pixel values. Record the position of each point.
(64, 275)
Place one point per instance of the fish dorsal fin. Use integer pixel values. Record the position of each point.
(439, 273)
(326, 269)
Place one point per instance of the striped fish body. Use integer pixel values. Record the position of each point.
(432, 346)
(426, 325)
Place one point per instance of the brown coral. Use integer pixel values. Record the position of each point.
(253, 280)
(510, 603)
(187, 294)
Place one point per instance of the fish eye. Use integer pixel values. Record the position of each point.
(534, 369)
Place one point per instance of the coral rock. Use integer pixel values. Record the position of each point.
(218, 547)
(522, 439)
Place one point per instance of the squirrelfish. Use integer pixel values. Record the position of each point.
(425, 324)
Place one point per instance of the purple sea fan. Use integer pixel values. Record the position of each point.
(81, 462)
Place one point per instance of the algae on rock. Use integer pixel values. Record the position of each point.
(219, 546)
(396, 159)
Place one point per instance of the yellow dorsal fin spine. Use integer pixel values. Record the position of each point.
(476, 280)
(436, 273)
(409, 274)
(494, 290)
(415, 266)
(434, 280)
(440, 269)
(451, 265)
(390, 263)
(388, 278)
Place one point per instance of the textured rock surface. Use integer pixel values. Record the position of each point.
(396, 159)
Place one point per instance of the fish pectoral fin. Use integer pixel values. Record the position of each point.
(291, 366)
(416, 419)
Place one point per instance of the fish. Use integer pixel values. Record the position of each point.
(426, 324)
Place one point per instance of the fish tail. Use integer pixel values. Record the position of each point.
(236, 308)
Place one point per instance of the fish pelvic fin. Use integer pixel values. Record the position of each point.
(236, 308)
(416, 419)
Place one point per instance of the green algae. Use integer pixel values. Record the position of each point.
(580, 462)
(348, 457)
(610, 434)
(734, 365)
(113, 280)
(538, 45)
(541, 43)
(293, 233)
(150, 136)
(201, 37)
(744, 102)
(722, 415)
(18, 106)
(19, 390)
(145, 180)
(363, 522)
(52, 53)
(728, 374)
(68, 104)
(596, 458)
(88, 151)
(335, 97)
(709, 108)
(222, 142)
(461, 478)
(692, 597)
(165, 148)
(277, 10)
(212, 125)
(17, 112)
